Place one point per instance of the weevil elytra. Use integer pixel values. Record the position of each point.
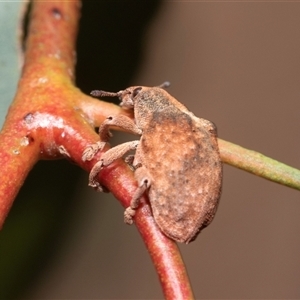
(176, 162)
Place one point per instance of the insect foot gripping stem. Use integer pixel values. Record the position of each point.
(89, 152)
(179, 153)
(111, 155)
(107, 158)
(134, 203)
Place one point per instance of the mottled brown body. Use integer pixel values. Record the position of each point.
(176, 161)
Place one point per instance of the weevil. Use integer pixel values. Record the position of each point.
(176, 161)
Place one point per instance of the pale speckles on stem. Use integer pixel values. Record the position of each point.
(42, 80)
(24, 141)
(56, 13)
(39, 81)
(16, 151)
(63, 151)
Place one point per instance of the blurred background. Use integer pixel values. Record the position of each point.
(234, 63)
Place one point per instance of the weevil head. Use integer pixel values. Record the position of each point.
(128, 96)
(142, 96)
(148, 103)
(132, 95)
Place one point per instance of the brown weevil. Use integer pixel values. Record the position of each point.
(176, 161)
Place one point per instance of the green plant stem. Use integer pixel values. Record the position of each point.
(258, 164)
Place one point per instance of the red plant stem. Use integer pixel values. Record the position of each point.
(16, 161)
(21, 147)
(52, 36)
(164, 252)
(174, 280)
(50, 118)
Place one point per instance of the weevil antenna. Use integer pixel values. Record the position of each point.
(98, 93)
(165, 84)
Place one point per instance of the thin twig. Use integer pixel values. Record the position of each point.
(258, 164)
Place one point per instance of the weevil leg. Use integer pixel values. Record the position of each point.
(90, 151)
(144, 182)
(120, 121)
(118, 151)
(129, 161)
(105, 134)
(92, 177)
(109, 157)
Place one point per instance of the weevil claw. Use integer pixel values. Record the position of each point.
(128, 215)
(90, 151)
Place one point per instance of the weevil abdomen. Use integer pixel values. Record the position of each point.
(182, 157)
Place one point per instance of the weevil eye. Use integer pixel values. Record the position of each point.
(136, 91)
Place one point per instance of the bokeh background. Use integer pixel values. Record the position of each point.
(234, 63)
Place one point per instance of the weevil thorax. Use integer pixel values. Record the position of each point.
(146, 102)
